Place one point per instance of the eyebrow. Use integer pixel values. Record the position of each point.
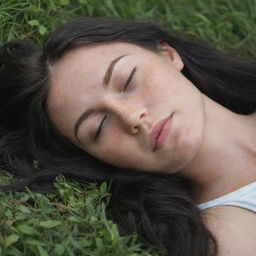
(106, 81)
(110, 69)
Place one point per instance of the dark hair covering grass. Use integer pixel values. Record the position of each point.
(156, 206)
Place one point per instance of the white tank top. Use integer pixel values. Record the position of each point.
(244, 197)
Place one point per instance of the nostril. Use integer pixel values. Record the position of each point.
(142, 115)
(135, 128)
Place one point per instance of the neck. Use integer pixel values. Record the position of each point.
(226, 159)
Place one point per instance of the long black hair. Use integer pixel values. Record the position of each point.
(156, 206)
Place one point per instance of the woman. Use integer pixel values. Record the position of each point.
(168, 123)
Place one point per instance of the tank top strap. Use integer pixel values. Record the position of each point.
(244, 197)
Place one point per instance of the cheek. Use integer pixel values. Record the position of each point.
(118, 150)
(159, 85)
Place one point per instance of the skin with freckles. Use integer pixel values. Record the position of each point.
(144, 88)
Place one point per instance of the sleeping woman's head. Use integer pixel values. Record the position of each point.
(130, 95)
(109, 100)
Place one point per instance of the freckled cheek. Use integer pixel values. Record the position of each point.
(118, 150)
(155, 91)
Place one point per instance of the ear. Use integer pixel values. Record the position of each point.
(171, 54)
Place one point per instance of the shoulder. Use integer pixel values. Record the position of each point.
(234, 229)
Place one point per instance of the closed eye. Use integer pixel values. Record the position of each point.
(130, 78)
(99, 128)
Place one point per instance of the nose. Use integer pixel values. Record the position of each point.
(129, 115)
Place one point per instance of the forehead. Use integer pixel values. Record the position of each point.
(93, 55)
(86, 63)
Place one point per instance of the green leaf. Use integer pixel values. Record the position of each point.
(99, 243)
(87, 242)
(64, 2)
(20, 216)
(24, 209)
(34, 242)
(114, 233)
(59, 249)
(8, 213)
(76, 244)
(10, 240)
(34, 23)
(49, 223)
(25, 197)
(76, 219)
(12, 251)
(42, 30)
(103, 187)
(93, 218)
(202, 17)
(26, 229)
(42, 251)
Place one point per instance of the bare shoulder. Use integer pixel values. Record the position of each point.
(234, 229)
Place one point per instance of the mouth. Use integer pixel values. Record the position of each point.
(159, 133)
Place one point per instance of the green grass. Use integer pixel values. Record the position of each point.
(72, 221)
(69, 222)
(228, 25)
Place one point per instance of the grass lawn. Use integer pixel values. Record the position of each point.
(72, 221)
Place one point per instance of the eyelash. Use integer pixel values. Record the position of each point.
(99, 129)
(126, 85)
(130, 78)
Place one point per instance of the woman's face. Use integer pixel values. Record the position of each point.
(127, 106)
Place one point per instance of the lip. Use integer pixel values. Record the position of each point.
(159, 133)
